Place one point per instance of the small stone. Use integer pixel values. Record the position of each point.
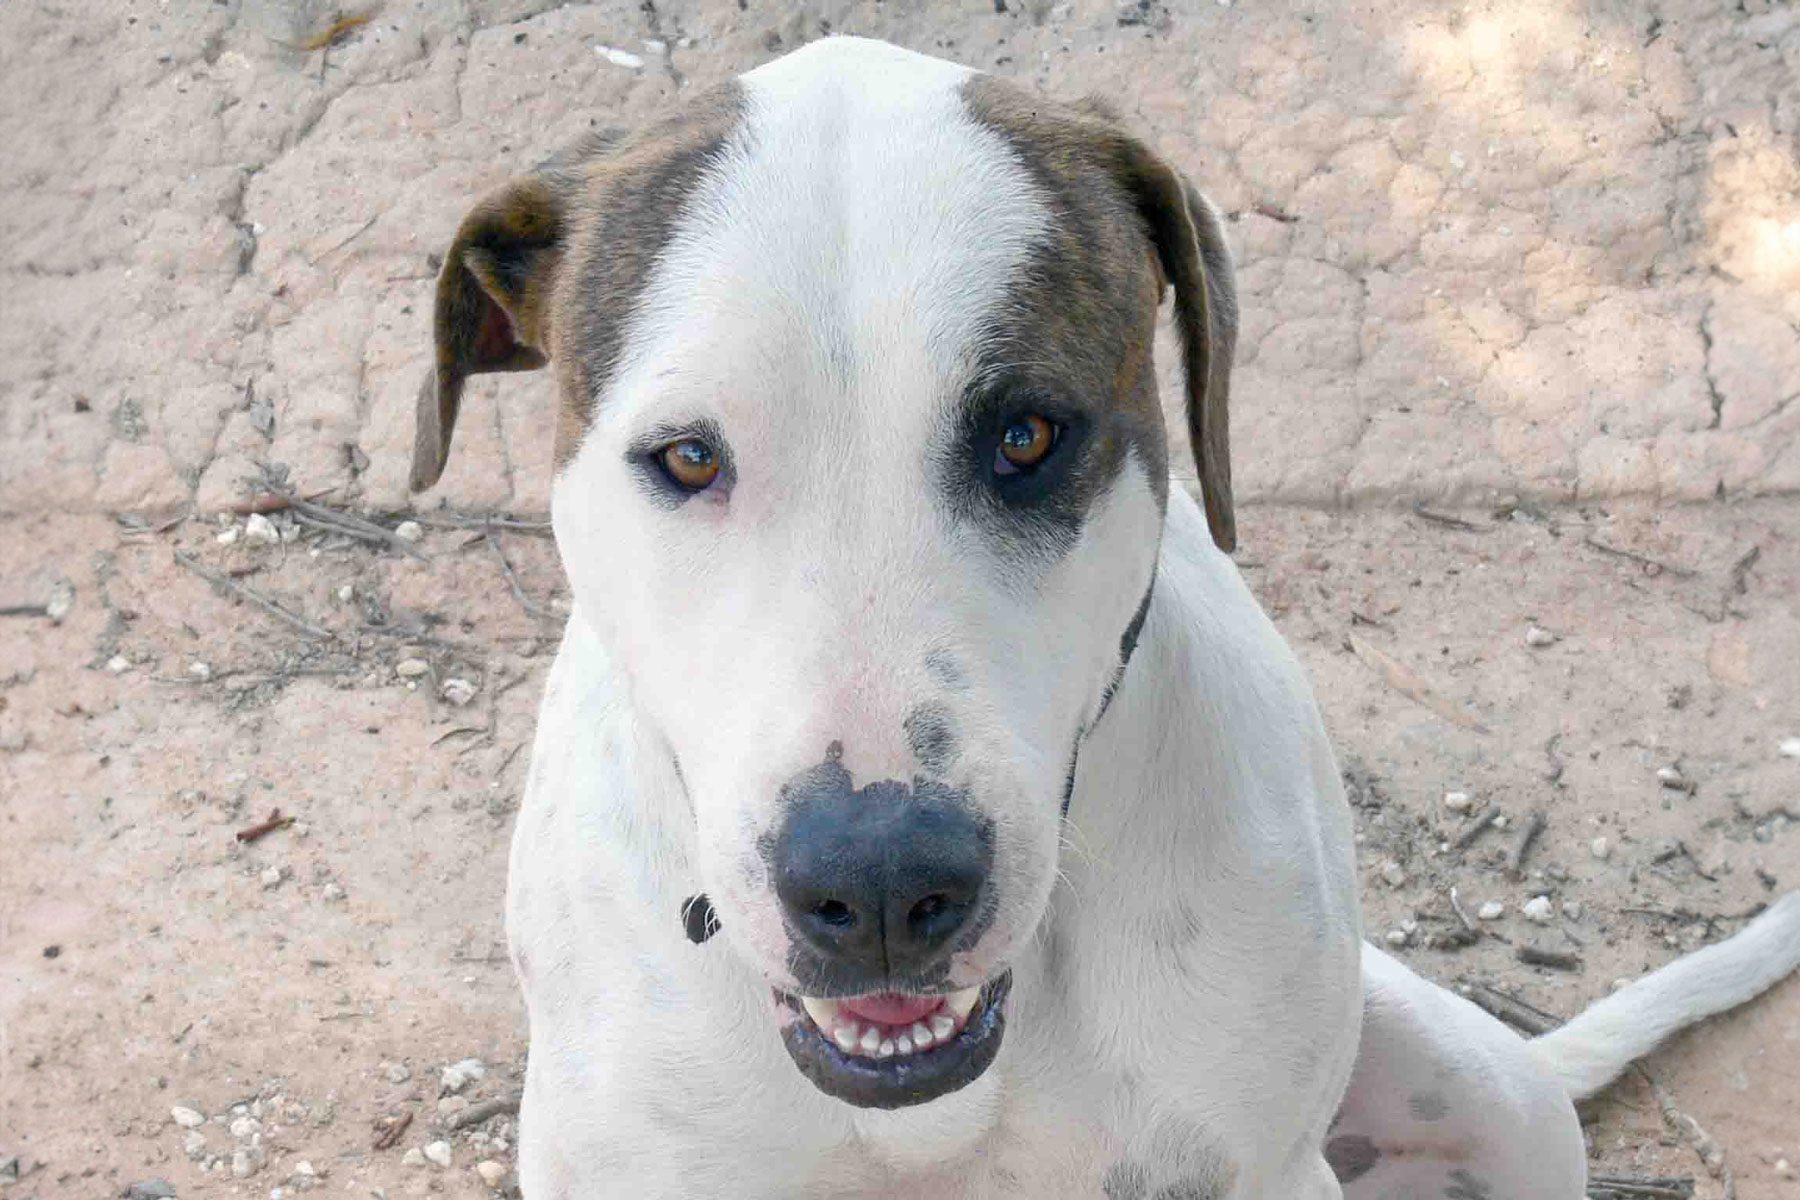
(457, 691)
(1784, 1168)
(1539, 910)
(619, 58)
(1500, 822)
(304, 1168)
(490, 1171)
(246, 1161)
(347, 593)
(439, 1153)
(333, 892)
(1458, 802)
(1538, 637)
(1672, 778)
(245, 1127)
(151, 1189)
(228, 537)
(1572, 909)
(1790, 747)
(62, 599)
(1493, 910)
(118, 664)
(1393, 873)
(410, 531)
(1396, 937)
(260, 531)
(200, 670)
(458, 1076)
(1600, 848)
(187, 1118)
(271, 877)
(411, 668)
(412, 1158)
(195, 1143)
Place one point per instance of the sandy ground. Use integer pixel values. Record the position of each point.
(299, 991)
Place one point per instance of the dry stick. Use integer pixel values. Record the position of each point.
(1539, 956)
(1516, 1013)
(1480, 825)
(349, 523)
(1609, 1187)
(1409, 684)
(1515, 858)
(261, 601)
(475, 1114)
(534, 528)
(1446, 520)
(1456, 907)
(1653, 566)
(512, 580)
(25, 610)
(263, 829)
(1703, 1143)
(389, 1136)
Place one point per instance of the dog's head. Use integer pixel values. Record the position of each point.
(861, 476)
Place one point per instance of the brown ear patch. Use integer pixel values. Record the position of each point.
(1093, 170)
(549, 268)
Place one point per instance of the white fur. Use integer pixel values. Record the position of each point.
(1189, 983)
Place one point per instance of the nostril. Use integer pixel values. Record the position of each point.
(835, 913)
(925, 910)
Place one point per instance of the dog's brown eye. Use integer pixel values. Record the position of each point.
(1024, 444)
(691, 463)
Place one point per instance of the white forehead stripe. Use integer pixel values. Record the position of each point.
(858, 208)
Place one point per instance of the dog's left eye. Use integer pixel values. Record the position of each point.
(690, 464)
(1024, 444)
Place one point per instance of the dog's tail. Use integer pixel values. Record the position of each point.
(1596, 1047)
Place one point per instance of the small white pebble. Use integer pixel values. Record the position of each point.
(410, 531)
(1500, 822)
(1600, 848)
(1538, 910)
(347, 593)
(271, 877)
(1538, 637)
(1393, 873)
(260, 531)
(458, 1076)
(243, 1127)
(411, 668)
(1493, 910)
(439, 1153)
(1572, 909)
(228, 537)
(1790, 747)
(195, 1144)
(334, 892)
(118, 664)
(1458, 802)
(1396, 937)
(1619, 985)
(397, 1072)
(490, 1171)
(619, 58)
(412, 1158)
(200, 670)
(1784, 1168)
(186, 1117)
(457, 691)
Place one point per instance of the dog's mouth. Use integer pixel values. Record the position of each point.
(894, 1050)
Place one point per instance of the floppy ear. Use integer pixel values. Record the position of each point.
(1190, 248)
(492, 306)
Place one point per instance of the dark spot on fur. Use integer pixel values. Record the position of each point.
(1351, 1157)
(1127, 647)
(1429, 1106)
(1464, 1186)
(932, 735)
(945, 671)
(699, 919)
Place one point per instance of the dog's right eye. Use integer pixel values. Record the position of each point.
(690, 464)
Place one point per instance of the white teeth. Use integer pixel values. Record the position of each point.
(885, 1050)
(903, 1045)
(941, 1025)
(871, 1041)
(962, 1003)
(824, 1013)
(845, 1037)
(921, 1036)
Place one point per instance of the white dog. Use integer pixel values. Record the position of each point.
(863, 493)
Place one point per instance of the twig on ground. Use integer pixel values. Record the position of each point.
(144, 530)
(360, 230)
(1620, 1187)
(509, 524)
(1473, 930)
(25, 610)
(389, 1129)
(1528, 832)
(1274, 213)
(263, 829)
(1690, 1131)
(1539, 956)
(254, 597)
(1514, 1012)
(1652, 566)
(1741, 568)
(1446, 520)
(322, 517)
(1409, 684)
(1484, 821)
(512, 580)
(475, 1114)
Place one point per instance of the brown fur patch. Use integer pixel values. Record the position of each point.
(1096, 290)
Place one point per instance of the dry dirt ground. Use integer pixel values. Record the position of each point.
(319, 980)
(1488, 249)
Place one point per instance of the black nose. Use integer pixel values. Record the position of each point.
(879, 880)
